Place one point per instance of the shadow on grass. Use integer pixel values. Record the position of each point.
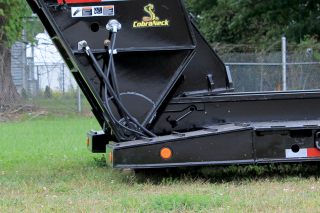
(231, 173)
(218, 174)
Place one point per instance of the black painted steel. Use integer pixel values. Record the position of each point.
(205, 62)
(164, 79)
(240, 107)
(149, 60)
(236, 143)
(97, 141)
(228, 143)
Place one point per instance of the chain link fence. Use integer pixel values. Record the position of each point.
(253, 72)
(41, 80)
(50, 85)
(50, 81)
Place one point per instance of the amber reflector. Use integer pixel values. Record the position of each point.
(111, 157)
(88, 141)
(166, 153)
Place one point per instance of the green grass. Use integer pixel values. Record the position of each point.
(60, 105)
(45, 167)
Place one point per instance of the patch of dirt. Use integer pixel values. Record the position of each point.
(21, 113)
(16, 113)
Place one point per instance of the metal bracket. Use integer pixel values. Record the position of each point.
(174, 122)
(114, 51)
(210, 82)
(146, 139)
(229, 77)
(178, 134)
(211, 130)
(242, 124)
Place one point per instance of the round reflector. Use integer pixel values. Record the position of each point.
(88, 141)
(165, 153)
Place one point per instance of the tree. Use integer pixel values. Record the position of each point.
(14, 16)
(256, 21)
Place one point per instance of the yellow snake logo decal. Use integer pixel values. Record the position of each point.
(150, 9)
(152, 20)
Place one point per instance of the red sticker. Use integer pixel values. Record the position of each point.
(313, 152)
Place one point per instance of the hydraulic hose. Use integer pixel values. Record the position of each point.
(120, 124)
(97, 66)
(115, 84)
(111, 68)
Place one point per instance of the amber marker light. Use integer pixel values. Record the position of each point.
(111, 157)
(165, 153)
(88, 141)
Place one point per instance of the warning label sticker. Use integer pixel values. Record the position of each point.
(91, 11)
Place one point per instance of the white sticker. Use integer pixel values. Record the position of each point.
(92, 11)
(302, 153)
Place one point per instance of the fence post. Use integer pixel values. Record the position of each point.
(79, 99)
(38, 80)
(284, 64)
(261, 60)
(63, 80)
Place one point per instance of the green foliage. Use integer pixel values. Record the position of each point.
(100, 161)
(17, 17)
(248, 21)
(311, 45)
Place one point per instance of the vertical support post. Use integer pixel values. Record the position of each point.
(23, 61)
(261, 60)
(63, 81)
(32, 88)
(79, 100)
(261, 77)
(32, 58)
(284, 63)
(38, 82)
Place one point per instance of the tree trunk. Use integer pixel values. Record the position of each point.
(8, 91)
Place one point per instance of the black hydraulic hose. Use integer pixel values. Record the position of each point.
(131, 130)
(120, 124)
(136, 133)
(97, 66)
(115, 82)
(110, 67)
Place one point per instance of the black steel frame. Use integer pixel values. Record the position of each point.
(195, 116)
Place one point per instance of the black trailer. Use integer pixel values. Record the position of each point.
(163, 97)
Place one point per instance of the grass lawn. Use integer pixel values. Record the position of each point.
(45, 167)
(61, 105)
